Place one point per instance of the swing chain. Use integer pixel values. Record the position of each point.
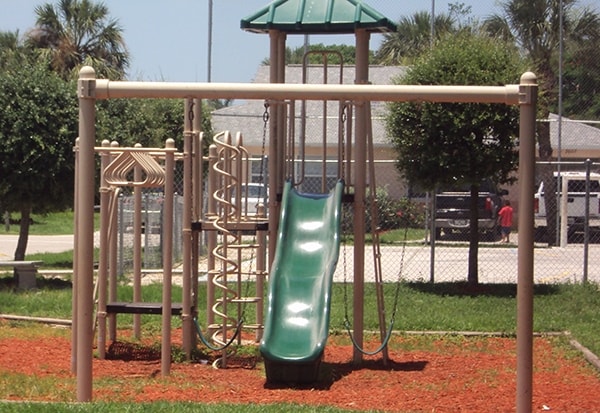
(344, 117)
(191, 111)
(265, 116)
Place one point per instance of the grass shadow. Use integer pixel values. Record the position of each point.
(462, 288)
(8, 283)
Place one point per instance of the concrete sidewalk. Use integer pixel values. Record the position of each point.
(35, 244)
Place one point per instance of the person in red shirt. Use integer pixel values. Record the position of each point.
(505, 218)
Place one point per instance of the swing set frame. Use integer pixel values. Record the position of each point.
(91, 89)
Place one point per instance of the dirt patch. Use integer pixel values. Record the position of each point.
(450, 374)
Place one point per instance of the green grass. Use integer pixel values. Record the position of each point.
(55, 223)
(452, 307)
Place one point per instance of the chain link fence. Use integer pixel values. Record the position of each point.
(567, 256)
(408, 253)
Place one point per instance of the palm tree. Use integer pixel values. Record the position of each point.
(79, 32)
(412, 38)
(534, 26)
(14, 53)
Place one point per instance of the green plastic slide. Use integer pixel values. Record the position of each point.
(297, 319)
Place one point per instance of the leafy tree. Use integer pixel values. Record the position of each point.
(534, 26)
(80, 32)
(412, 38)
(9, 42)
(441, 144)
(14, 52)
(148, 122)
(38, 126)
(581, 81)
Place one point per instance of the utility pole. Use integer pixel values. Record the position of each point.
(209, 58)
(432, 28)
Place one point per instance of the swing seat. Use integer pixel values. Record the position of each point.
(299, 298)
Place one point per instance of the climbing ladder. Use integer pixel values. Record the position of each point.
(236, 260)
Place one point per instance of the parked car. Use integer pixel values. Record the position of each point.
(453, 209)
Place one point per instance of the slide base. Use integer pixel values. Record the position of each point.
(292, 373)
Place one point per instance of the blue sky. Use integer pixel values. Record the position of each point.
(167, 40)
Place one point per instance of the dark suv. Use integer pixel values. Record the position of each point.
(452, 208)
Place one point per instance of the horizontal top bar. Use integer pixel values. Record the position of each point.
(105, 89)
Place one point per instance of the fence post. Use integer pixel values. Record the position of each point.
(432, 236)
(586, 223)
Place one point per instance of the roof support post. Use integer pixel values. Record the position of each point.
(360, 152)
(276, 135)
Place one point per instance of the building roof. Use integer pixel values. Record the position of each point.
(317, 17)
(574, 135)
(247, 117)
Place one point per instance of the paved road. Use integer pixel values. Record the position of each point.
(36, 243)
(552, 265)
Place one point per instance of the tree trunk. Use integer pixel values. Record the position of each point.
(23, 232)
(548, 94)
(547, 172)
(473, 275)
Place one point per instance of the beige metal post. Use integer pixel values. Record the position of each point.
(84, 272)
(108, 89)
(261, 272)
(167, 256)
(276, 145)
(103, 258)
(74, 283)
(360, 174)
(137, 246)
(113, 254)
(212, 236)
(186, 316)
(527, 101)
(198, 193)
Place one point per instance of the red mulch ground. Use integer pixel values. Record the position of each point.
(452, 375)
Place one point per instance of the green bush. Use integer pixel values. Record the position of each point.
(391, 213)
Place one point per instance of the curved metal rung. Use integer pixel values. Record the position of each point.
(116, 172)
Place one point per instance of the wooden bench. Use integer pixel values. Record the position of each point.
(25, 272)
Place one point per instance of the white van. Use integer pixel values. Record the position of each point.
(575, 201)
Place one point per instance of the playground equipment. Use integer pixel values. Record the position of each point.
(91, 89)
(282, 97)
(138, 168)
(230, 214)
(297, 320)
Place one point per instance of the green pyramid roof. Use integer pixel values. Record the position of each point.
(317, 17)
